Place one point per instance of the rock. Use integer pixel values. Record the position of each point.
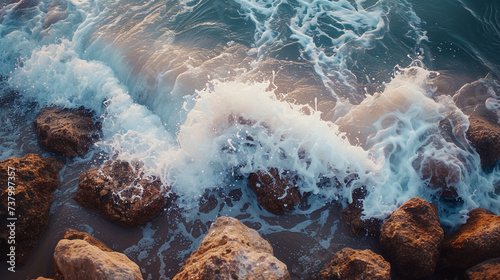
(488, 270)
(442, 176)
(230, 250)
(412, 238)
(66, 132)
(43, 278)
(122, 193)
(353, 216)
(275, 192)
(484, 135)
(34, 181)
(356, 264)
(475, 241)
(84, 257)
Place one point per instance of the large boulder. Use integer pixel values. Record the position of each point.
(488, 270)
(66, 132)
(484, 135)
(230, 250)
(276, 192)
(354, 264)
(475, 241)
(412, 238)
(80, 256)
(27, 183)
(122, 192)
(353, 216)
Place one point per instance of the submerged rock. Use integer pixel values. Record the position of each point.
(354, 264)
(412, 238)
(231, 250)
(122, 193)
(80, 256)
(32, 180)
(66, 132)
(442, 176)
(488, 270)
(275, 192)
(353, 216)
(475, 241)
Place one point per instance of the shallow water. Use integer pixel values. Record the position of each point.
(206, 92)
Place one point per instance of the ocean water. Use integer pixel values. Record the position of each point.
(345, 94)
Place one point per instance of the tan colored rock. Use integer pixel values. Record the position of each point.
(122, 193)
(488, 270)
(484, 135)
(32, 180)
(43, 278)
(276, 192)
(412, 238)
(475, 241)
(353, 264)
(230, 250)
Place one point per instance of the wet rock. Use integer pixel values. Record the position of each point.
(66, 132)
(122, 193)
(475, 241)
(80, 256)
(356, 264)
(230, 250)
(57, 11)
(353, 216)
(275, 192)
(488, 270)
(32, 180)
(484, 135)
(412, 238)
(43, 278)
(442, 176)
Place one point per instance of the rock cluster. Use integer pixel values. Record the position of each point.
(33, 181)
(230, 250)
(122, 193)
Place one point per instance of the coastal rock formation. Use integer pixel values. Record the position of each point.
(353, 264)
(80, 256)
(488, 270)
(122, 192)
(66, 132)
(475, 241)
(484, 135)
(412, 238)
(275, 192)
(230, 250)
(353, 216)
(28, 182)
(443, 176)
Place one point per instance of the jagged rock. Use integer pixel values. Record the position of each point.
(353, 216)
(484, 135)
(83, 257)
(275, 192)
(356, 264)
(122, 193)
(488, 270)
(475, 241)
(412, 238)
(66, 132)
(230, 250)
(33, 180)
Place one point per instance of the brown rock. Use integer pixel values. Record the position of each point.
(275, 192)
(43, 278)
(353, 216)
(484, 135)
(67, 132)
(122, 193)
(443, 176)
(412, 238)
(356, 264)
(475, 241)
(230, 250)
(79, 259)
(488, 270)
(34, 179)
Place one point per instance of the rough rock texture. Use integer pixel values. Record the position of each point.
(484, 135)
(443, 176)
(412, 238)
(353, 264)
(84, 257)
(353, 216)
(43, 278)
(122, 193)
(275, 192)
(475, 241)
(66, 132)
(230, 250)
(488, 270)
(35, 180)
